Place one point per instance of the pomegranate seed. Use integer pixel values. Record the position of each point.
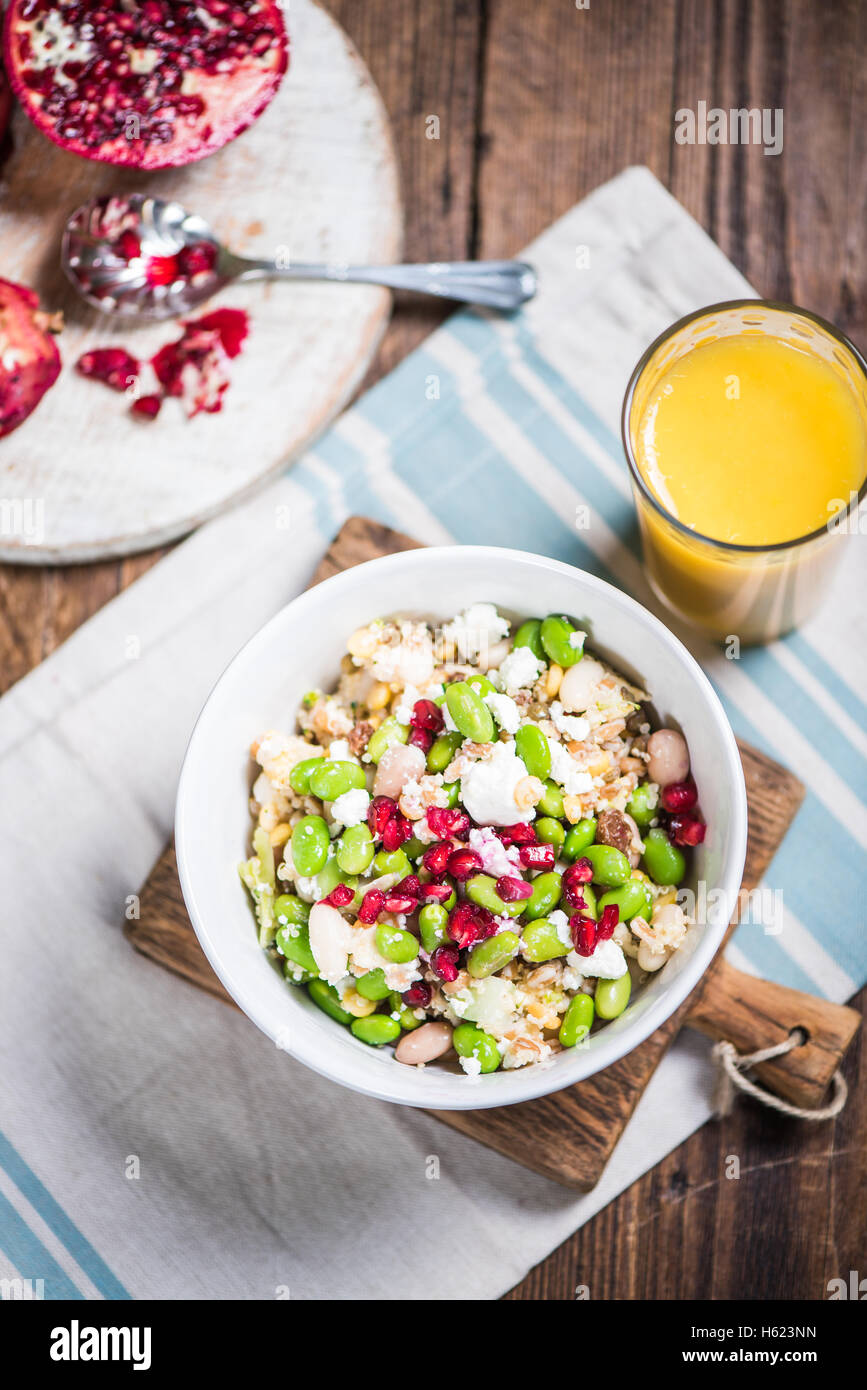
(686, 829)
(679, 796)
(161, 270)
(408, 887)
(340, 896)
(574, 879)
(129, 246)
(114, 366)
(420, 738)
(444, 962)
(399, 902)
(379, 813)
(371, 905)
(396, 831)
(427, 715)
(148, 407)
(583, 931)
(520, 834)
(436, 859)
(470, 923)
(513, 890)
(607, 922)
(463, 863)
(201, 256)
(436, 892)
(418, 996)
(537, 856)
(444, 821)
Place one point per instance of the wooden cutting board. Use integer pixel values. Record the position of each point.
(570, 1135)
(315, 176)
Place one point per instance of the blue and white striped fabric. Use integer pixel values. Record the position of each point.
(144, 1153)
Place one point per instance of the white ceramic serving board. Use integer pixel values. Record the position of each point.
(316, 174)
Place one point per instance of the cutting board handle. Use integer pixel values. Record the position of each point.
(753, 1013)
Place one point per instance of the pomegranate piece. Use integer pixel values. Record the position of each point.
(436, 859)
(379, 813)
(519, 834)
(116, 367)
(444, 962)
(583, 931)
(679, 796)
(427, 715)
(537, 856)
(198, 259)
(420, 738)
(233, 325)
(469, 923)
(513, 890)
(418, 996)
(397, 829)
(607, 922)
(148, 407)
(195, 366)
(463, 863)
(408, 886)
(150, 85)
(371, 905)
(686, 829)
(448, 821)
(397, 902)
(341, 895)
(573, 881)
(29, 359)
(436, 892)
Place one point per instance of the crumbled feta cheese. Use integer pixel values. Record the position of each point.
(474, 631)
(488, 788)
(505, 711)
(566, 772)
(471, 1065)
(606, 963)
(519, 670)
(403, 713)
(496, 859)
(577, 639)
(572, 726)
(366, 956)
(350, 808)
(560, 922)
(339, 751)
(450, 724)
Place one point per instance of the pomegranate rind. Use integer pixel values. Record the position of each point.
(233, 99)
(29, 359)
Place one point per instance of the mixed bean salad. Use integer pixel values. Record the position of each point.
(472, 847)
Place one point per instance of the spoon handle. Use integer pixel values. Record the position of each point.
(497, 284)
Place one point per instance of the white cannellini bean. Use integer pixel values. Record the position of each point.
(669, 757)
(578, 687)
(650, 960)
(398, 765)
(330, 939)
(424, 1044)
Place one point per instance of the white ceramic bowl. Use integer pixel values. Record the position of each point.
(301, 648)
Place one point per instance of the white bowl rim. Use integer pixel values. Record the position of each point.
(540, 1079)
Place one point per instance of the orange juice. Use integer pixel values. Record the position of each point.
(746, 429)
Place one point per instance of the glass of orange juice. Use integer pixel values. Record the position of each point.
(745, 428)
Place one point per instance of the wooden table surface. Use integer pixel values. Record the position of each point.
(537, 103)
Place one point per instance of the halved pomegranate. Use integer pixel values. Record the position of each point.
(149, 83)
(29, 360)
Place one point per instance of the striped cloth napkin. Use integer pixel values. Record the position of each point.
(153, 1142)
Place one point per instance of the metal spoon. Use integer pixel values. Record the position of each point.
(118, 283)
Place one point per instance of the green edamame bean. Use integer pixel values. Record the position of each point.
(413, 848)
(551, 803)
(589, 909)
(481, 684)
(528, 636)
(296, 948)
(541, 941)
(328, 1000)
(612, 996)
(453, 792)
(391, 862)
(534, 751)
(582, 834)
(491, 955)
(544, 898)
(332, 778)
(372, 985)
(577, 1020)
(432, 924)
(406, 1016)
(442, 750)
(610, 865)
(397, 945)
(289, 910)
(389, 733)
(643, 804)
(471, 715)
(550, 832)
(469, 1041)
(554, 635)
(310, 842)
(355, 849)
(299, 777)
(329, 876)
(376, 1030)
(297, 974)
(482, 889)
(663, 861)
(634, 899)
